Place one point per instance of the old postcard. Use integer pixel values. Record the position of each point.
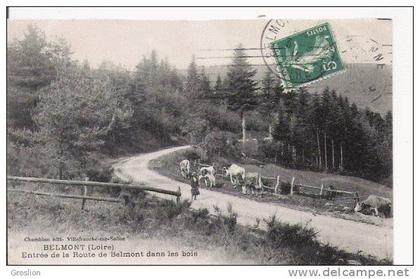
(264, 140)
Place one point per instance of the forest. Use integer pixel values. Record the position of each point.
(65, 117)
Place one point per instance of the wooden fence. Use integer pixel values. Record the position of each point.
(86, 184)
(295, 187)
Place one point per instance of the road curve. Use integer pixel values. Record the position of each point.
(348, 235)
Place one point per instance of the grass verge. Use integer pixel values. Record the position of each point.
(149, 218)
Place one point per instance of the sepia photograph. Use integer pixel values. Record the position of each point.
(260, 141)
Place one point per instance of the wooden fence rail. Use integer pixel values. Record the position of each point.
(140, 186)
(85, 184)
(294, 185)
(325, 189)
(65, 195)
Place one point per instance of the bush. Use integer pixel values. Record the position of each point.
(226, 222)
(255, 122)
(34, 161)
(29, 155)
(169, 209)
(220, 117)
(195, 154)
(231, 219)
(202, 213)
(98, 169)
(217, 143)
(282, 234)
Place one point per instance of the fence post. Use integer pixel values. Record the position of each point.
(261, 184)
(292, 184)
(356, 197)
(276, 188)
(322, 190)
(178, 198)
(84, 194)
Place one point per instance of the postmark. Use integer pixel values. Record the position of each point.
(352, 42)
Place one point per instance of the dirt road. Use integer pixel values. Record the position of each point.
(346, 234)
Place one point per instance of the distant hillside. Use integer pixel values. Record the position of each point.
(367, 85)
(364, 84)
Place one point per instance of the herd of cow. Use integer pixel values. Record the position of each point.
(251, 183)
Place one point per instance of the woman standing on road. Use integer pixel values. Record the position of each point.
(194, 186)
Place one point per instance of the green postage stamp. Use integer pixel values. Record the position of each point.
(307, 56)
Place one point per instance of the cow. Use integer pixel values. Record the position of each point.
(210, 178)
(184, 167)
(207, 170)
(252, 182)
(235, 173)
(375, 203)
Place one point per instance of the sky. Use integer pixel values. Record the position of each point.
(125, 42)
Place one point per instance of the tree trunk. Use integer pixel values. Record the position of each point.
(294, 154)
(332, 153)
(325, 150)
(341, 157)
(303, 156)
(270, 131)
(243, 129)
(319, 161)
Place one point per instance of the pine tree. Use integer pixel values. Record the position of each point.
(205, 88)
(218, 87)
(30, 66)
(241, 87)
(282, 131)
(302, 137)
(326, 104)
(193, 83)
(316, 121)
(271, 93)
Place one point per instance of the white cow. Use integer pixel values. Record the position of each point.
(205, 170)
(210, 178)
(184, 167)
(252, 182)
(375, 203)
(235, 173)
